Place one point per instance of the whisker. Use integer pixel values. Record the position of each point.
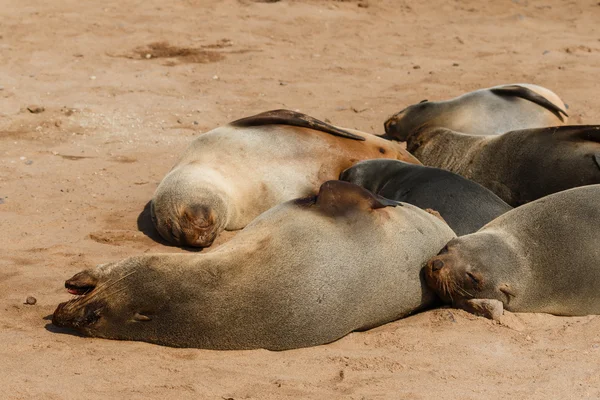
(106, 286)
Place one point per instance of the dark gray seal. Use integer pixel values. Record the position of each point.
(465, 205)
(541, 257)
(304, 273)
(490, 111)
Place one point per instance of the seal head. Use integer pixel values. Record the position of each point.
(191, 214)
(460, 272)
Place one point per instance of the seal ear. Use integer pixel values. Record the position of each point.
(528, 94)
(141, 318)
(339, 197)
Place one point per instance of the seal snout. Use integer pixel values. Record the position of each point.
(81, 283)
(440, 276)
(197, 226)
(391, 125)
(436, 265)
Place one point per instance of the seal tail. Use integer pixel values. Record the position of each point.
(528, 94)
(292, 118)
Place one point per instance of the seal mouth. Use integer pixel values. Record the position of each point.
(79, 290)
(81, 284)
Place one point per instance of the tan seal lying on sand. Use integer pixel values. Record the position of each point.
(491, 111)
(230, 175)
(541, 257)
(519, 166)
(304, 273)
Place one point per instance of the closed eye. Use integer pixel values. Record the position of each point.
(473, 278)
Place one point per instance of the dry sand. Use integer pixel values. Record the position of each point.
(127, 85)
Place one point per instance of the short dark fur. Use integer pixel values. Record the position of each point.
(465, 205)
(292, 118)
(519, 166)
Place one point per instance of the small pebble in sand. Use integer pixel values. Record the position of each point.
(216, 77)
(30, 300)
(148, 56)
(28, 162)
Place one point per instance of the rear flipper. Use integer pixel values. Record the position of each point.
(528, 94)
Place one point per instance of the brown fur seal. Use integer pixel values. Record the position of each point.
(519, 166)
(304, 273)
(490, 111)
(230, 175)
(465, 205)
(541, 257)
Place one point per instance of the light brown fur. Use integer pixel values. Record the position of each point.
(481, 112)
(540, 257)
(239, 172)
(304, 273)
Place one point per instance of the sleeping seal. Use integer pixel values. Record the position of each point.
(541, 257)
(304, 273)
(519, 166)
(465, 205)
(491, 111)
(230, 175)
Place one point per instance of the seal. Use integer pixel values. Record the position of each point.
(228, 176)
(465, 205)
(519, 166)
(303, 273)
(540, 257)
(490, 111)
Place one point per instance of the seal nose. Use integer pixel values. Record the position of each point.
(436, 265)
(390, 125)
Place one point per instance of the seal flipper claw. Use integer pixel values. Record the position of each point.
(488, 308)
(528, 94)
(597, 159)
(292, 118)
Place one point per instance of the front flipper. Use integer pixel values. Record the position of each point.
(292, 118)
(528, 94)
(337, 198)
(488, 308)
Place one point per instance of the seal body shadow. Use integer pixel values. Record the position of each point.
(465, 205)
(230, 175)
(490, 111)
(304, 273)
(519, 166)
(540, 257)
